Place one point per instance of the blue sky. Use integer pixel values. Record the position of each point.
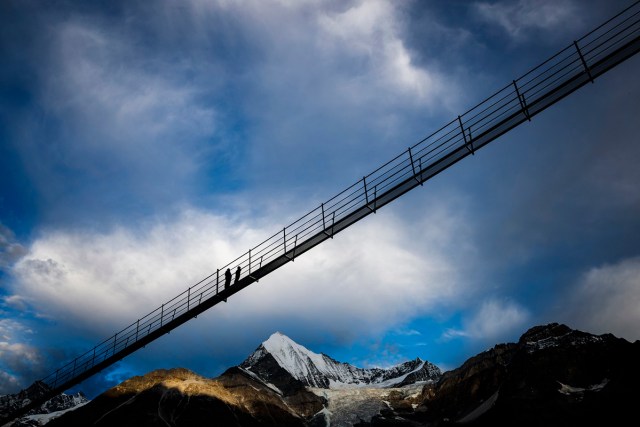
(143, 145)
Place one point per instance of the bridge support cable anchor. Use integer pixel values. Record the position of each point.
(467, 143)
(413, 167)
(584, 62)
(523, 102)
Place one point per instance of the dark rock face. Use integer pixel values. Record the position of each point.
(428, 372)
(267, 368)
(553, 376)
(302, 402)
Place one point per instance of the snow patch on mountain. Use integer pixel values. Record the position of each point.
(572, 339)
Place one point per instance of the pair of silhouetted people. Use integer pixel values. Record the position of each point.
(227, 277)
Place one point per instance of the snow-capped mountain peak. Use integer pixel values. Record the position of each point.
(292, 356)
(281, 353)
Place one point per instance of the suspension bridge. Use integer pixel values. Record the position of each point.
(575, 66)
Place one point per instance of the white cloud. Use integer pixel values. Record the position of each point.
(495, 319)
(363, 283)
(607, 300)
(521, 17)
(15, 302)
(372, 32)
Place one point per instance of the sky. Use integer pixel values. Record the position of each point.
(145, 144)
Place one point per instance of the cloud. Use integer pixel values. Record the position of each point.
(8, 383)
(372, 31)
(519, 19)
(20, 361)
(327, 82)
(361, 284)
(407, 332)
(495, 319)
(173, 105)
(114, 124)
(10, 249)
(15, 302)
(378, 278)
(607, 300)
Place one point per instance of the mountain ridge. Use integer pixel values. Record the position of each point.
(552, 376)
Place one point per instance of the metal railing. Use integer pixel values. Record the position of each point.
(577, 64)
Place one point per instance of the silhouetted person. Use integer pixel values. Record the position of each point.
(227, 278)
(237, 275)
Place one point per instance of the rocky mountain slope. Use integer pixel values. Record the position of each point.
(553, 376)
(281, 384)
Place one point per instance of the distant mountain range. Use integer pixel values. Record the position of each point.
(51, 409)
(553, 376)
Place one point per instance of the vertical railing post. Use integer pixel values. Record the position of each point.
(295, 246)
(115, 338)
(523, 103)
(324, 227)
(137, 329)
(217, 281)
(188, 297)
(468, 144)
(413, 167)
(284, 239)
(366, 194)
(333, 223)
(249, 262)
(375, 198)
(161, 314)
(584, 62)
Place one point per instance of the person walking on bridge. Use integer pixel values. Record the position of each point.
(237, 275)
(227, 278)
